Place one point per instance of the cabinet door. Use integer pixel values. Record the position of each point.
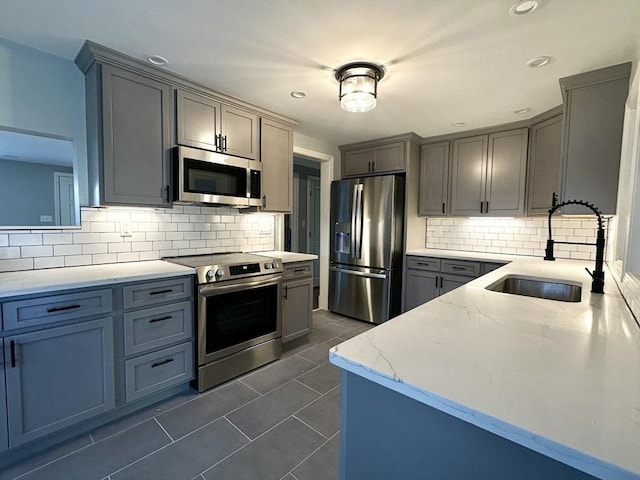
(451, 282)
(544, 165)
(4, 439)
(357, 162)
(594, 117)
(240, 132)
(506, 172)
(277, 166)
(58, 377)
(198, 120)
(421, 286)
(297, 306)
(434, 179)
(388, 158)
(137, 119)
(468, 175)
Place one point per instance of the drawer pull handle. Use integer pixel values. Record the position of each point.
(60, 309)
(455, 267)
(12, 347)
(160, 292)
(300, 270)
(423, 264)
(163, 362)
(160, 319)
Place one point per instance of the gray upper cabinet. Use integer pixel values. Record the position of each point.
(374, 160)
(129, 119)
(594, 104)
(4, 438)
(58, 377)
(489, 173)
(277, 166)
(203, 122)
(240, 132)
(198, 120)
(544, 165)
(434, 179)
(468, 176)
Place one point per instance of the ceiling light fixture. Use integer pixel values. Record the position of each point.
(524, 7)
(157, 60)
(298, 94)
(522, 111)
(539, 61)
(359, 85)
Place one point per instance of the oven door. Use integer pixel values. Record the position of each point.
(237, 315)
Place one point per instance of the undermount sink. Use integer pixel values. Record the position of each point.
(561, 290)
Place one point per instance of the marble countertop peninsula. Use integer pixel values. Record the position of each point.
(53, 279)
(560, 378)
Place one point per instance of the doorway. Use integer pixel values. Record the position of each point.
(302, 226)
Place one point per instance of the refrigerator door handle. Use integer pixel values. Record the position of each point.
(354, 218)
(358, 189)
(359, 274)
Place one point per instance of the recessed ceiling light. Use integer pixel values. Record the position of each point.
(458, 124)
(298, 94)
(157, 60)
(539, 61)
(524, 7)
(522, 111)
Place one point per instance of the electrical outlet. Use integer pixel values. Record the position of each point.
(125, 228)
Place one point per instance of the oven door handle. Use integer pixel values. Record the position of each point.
(218, 289)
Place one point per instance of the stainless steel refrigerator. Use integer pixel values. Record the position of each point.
(367, 232)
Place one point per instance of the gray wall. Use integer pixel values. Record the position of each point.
(26, 192)
(44, 93)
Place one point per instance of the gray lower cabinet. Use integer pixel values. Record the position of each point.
(544, 165)
(129, 125)
(277, 166)
(488, 174)
(427, 278)
(158, 326)
(4, 435)
(434, 180)
(57, 377)
(297, 301)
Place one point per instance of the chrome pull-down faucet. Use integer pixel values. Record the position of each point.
(597, 285)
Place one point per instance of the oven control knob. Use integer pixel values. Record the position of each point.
(219, 273)
(209, 274)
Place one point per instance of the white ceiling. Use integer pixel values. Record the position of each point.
(447, 60)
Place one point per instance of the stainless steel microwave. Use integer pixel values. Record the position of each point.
(213, 178)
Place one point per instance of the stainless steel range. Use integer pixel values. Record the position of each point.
(239, 314)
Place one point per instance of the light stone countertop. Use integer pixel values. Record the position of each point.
(560, 378)
(54, 279)
(287, 257)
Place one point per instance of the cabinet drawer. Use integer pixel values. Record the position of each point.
(424, 263)
(297, 270)
(158, 370)
(460, 267)
(151, 293)
(56, 308)
(156, 327)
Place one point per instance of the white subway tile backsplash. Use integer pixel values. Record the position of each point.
(516, 236)
(156, 233)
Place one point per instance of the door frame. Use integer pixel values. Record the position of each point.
(312, 180)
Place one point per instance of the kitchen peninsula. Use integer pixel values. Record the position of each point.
(482, 384)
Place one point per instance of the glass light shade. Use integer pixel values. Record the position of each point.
(358, 86)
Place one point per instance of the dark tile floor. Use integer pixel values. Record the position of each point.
(278, 422)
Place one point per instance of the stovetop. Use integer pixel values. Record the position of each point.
(220, 267)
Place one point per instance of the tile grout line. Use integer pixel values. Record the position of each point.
(250, 387)
(164, 430)
(312, 453)
(305, 423)
(307, 386)
(237, 428)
